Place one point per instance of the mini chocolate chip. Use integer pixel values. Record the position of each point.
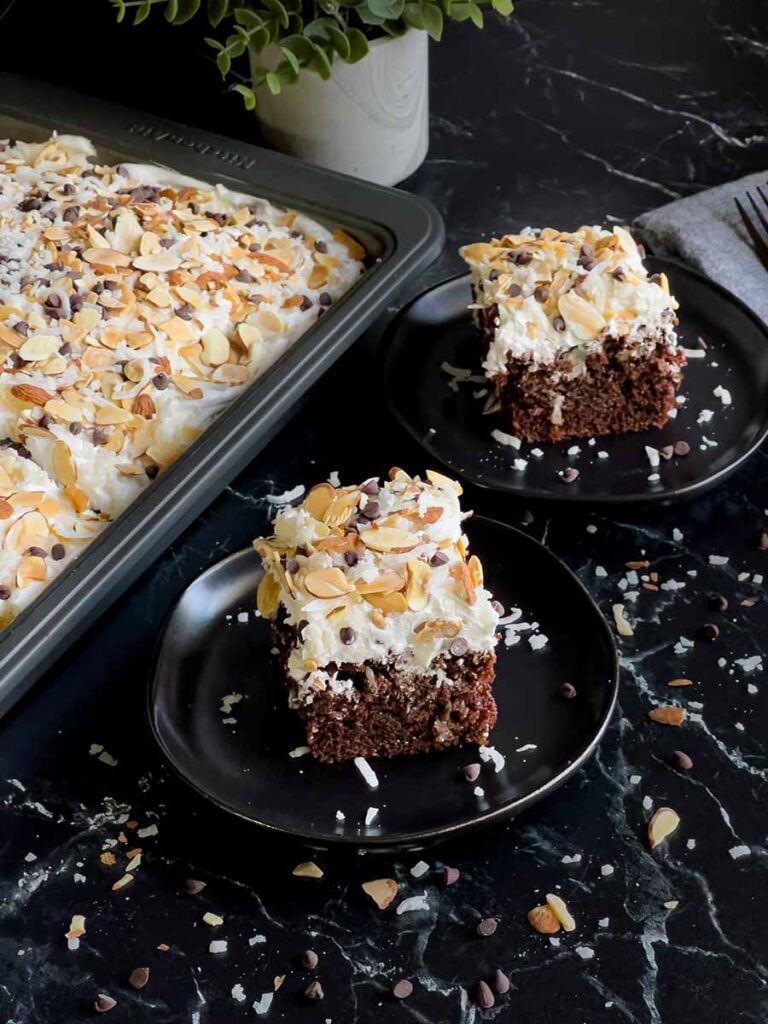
(439, 558)
(501, 982)
(371, 510)
(493, 275)
(587, 251)
(138, 977)
(324, 299)
(103, 1003)
(472, 771)
(5, 592)
(22, 328)
(655, 278)
(641, 251)
(719, 602)
(166, 243)
(569, 475)
(321, 246)
(370, 487)
(568, 691)
(487, 927)
(184, 312)
(559, 324)
(617, 274)
(254, 247)
(314, 991)
(75, 428)
(681, 761)
(484, 997)
(99, 435)
(682, 448)
(291, 565)
(459, 647)
(514, 291)
(499, 608)
(309, 959)
(301, 627)
(347, 635)
(161, 381)
(527, 518)
(709, 631)
(71, 214)
(402, 989)
(351, 557)
(762, 541)
(522, 259)
(37, 552)
(451, 875)
(541, 293)
(244, 276)
(58, 551)
(194, 886)
(667, 452)
(152, 471)
(305, 304)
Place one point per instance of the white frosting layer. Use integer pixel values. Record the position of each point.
(428, 597)
(135, 305)
(555, 294)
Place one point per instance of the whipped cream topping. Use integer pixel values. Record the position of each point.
(554, 295)
(135, 305)
(374, 574)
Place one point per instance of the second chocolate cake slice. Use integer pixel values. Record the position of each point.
(384, 628)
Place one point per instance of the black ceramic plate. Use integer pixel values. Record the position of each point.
(206, 652)
(436, 328)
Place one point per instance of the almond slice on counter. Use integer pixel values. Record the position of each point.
(662, 825)
(381, 890)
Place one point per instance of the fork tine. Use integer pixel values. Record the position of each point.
(761, 248)
(760, 215)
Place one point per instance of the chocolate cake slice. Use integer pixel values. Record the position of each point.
(577, 338)
(384, 629)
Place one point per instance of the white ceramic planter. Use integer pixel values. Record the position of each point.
(370, 119)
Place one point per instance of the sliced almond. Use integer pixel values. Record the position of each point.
(6, 509)
(108, 415)
(230, 373)
(440, 480)
(160, 262)
(669, 714)
(662, 824)
(433, 629)
(355, 250)
(31, 569)
(386, 583)
(149, 244)
(62, 410)
(62, 464)
(268, 595)
(249, 334)
(327, 583)
(464, 577)
(341, 509)
(215, 346)
(543, 921)
(680, 682)
(40, 346)
(127, 233)
(581, 316)
(318, 500)
(475, 567)
(417, 592)
(381, 890)
(106, 258)
(622, 626)
(388, 538)
(561, 912)
(77, 497)
(388, 603)
(308, 869)
(626, 241)
(26, 532)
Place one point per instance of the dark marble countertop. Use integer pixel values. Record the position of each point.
(576, 111)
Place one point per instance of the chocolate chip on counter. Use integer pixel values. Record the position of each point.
(484, 997)
(667, 452)
(719, 602)
(682, 448)
(5, 592)
(451, 875)
(138, 977)
(514, 291)
(103, 1003)
(309, 959)
(402, 988)
(439, 558)
(569, 475)
(487, 927)
(501, 982)
(351, 557)
(558, 323)
(527, 518)
(58, 551)
(499, 608)
(459, 647)
(762, 541)
(709, 631)
(194, 886)
(681, 760)
(472, 771)
(314, 991)
(347, 635)
(568, 691)
(541, 293)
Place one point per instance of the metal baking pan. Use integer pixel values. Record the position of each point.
(401, 232)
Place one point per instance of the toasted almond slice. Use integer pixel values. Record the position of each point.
(475, 567)
(327, 583)
(668, 715)
(97, 358)
(87, 318)
(215, 347)
(341, 509)
(662, 824)
(440, 480)
(464, 578)
(149, 244)
(431, 629)
(355, 250)
(10, 337)
(127, 233)
(53, 367)
(230, 373)
(307, 870)
(106, 258)
(381, 890)
(179, 330)
(561, 912)
(31, 569)
(388, 538)
(249, 334)
(160, 262)
(417, 593)
(581, 316)
(6, 509)
(160, 296)
(622, 626)
(26, 532)
(318, 500)
(680, 682)
(78, 497)
(387, 583)
(268, 595)
(386, 603)
(543, 921)
(107, 415)
(318, 276)
(626, 241)
(39, 346)
(63, 466)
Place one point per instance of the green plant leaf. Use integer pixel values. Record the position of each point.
(247, 18)
(214, 43)
(299, 47)
(273, 83)
(340, 43)
(171, 10)
(503, 7)
(319, 30)
(277, 10)
(386, 9)
(237, 43)
(321, 62)
(217, 10)
(142, 12)
(119, 6)
(358, 45)
(249, 96)
(366, 15)
(476, 15)
(432, 17)
(291, 59)
(412, 15)
(459, 10)
(259, 39)
(224, 63)
(185, 11)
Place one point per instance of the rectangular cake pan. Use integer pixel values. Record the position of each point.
(401, 232)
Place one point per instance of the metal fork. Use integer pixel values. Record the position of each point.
(759, 242)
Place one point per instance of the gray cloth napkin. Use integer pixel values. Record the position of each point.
(706, 232)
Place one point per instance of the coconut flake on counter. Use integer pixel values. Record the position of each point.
(653, 455)
(287, 496)
(370, 815)
(413, 903)
(299, 752)
(368, 774)
(705, 416)
(419, 869)
(723, 394)
(492, 755)
(506, 439)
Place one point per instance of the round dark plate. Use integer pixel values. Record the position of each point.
(436, 328)
(205, 653)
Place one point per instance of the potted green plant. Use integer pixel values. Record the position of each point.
(341, 83)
